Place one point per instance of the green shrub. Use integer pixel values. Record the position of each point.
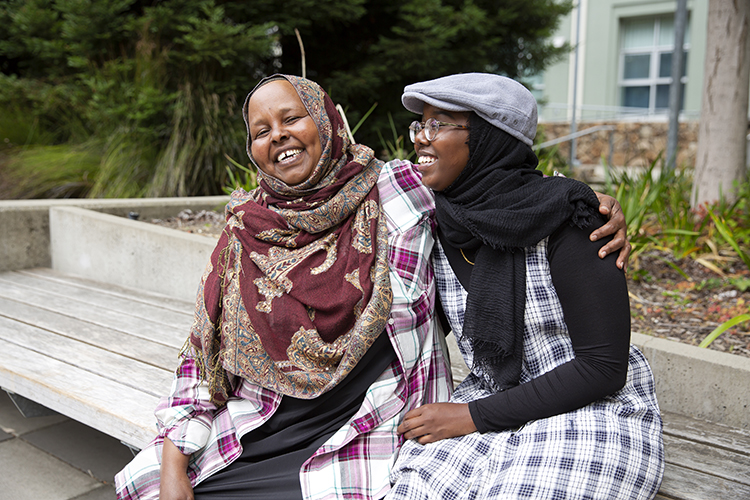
(60, 171)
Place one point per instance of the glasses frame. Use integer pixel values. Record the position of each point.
(431, 127)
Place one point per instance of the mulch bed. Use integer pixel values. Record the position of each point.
(664, 303)
(204, 222)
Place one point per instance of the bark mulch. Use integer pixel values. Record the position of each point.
(665, 303)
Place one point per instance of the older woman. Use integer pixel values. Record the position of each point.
(314, 331)
(558, 405)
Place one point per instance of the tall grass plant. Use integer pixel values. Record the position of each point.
(656, 204)
(55, 171)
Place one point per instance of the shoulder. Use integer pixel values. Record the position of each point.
(402, 194)
(576, 240)
(573, 256)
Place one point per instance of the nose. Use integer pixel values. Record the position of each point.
(421, 138)
(279, 133)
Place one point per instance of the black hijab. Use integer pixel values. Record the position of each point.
(499, 205)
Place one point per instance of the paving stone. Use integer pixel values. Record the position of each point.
(31, 474)
(83, 447)
(12, 422)
(4, 436)
(106, 492)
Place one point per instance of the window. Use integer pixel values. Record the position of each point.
(647, 45)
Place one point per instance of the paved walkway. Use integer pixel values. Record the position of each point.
(55, 458)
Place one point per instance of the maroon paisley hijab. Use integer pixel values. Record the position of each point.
(297, 288)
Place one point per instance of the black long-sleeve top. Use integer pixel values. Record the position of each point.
(594, 298)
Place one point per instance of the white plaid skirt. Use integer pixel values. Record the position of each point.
(609, 449)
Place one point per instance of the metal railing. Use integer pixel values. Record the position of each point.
(560, 112)
(581, 133)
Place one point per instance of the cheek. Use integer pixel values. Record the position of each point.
(313, 138)
(315, 147)
(459, 159)
(259, 153)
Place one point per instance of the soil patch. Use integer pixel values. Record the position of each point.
(204, 222)
(684, 305)
(688, 305)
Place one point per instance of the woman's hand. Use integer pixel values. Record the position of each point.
(615, 225)
(436, 421)
(175, 484)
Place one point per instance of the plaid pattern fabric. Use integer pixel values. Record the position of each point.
(356, 461)
(611, 448)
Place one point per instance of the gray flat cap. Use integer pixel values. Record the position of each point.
(503, 102)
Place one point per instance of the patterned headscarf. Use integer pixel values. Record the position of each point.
(297, 288)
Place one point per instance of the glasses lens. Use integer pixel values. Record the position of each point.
(431, 127)
(414, 129)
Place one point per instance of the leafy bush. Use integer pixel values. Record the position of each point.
(656, 204)
(133, 77)
(153, 88)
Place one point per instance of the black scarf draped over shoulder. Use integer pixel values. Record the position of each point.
(500, 205)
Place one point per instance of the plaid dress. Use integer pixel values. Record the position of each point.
(355, 462)
(611, 448)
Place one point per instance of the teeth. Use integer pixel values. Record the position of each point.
(287, 154)
(426, 159)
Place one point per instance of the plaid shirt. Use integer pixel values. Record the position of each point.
(356, 461)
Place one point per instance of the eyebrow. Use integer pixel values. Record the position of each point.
(286, 109)
(446, 113)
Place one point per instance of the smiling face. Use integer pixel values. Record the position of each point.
(285, 143)
(441, 161)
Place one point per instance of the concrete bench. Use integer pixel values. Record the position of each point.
(97, 353)
(95, 307)
(104, 353)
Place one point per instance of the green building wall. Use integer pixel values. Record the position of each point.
(599, 52)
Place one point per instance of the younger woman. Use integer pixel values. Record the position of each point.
(558, 405)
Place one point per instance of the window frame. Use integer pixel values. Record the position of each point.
(654, 51)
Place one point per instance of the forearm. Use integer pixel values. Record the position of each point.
(185, 416)
(172, 459)
(594, 301)
(174, 482)
(566, 388)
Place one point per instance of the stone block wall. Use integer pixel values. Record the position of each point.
(635, 144)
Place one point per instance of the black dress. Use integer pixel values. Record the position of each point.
(272, 455)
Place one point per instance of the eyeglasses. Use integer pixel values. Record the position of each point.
(430, 127)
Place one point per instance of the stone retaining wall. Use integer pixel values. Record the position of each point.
(636, 144)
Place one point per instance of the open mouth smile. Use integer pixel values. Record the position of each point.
(425, 160)
(289, 155)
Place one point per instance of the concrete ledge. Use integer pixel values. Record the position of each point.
(129, 253)
(699, 383)
(24, 224)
